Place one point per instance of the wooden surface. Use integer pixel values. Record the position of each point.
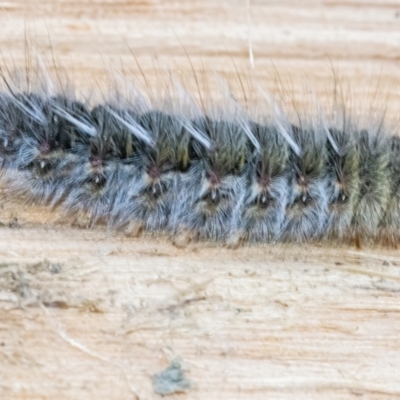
(86, 314)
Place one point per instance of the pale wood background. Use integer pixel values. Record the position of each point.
(84, 314)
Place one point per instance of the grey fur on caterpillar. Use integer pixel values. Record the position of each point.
(221, 177)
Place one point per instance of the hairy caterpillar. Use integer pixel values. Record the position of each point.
(219, 174)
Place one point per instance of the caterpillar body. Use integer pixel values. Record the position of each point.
(218, 176)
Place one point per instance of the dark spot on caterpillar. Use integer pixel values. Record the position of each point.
(342, 198)
(304, 199)
(214, 197)
(96, 181)
(365, 187)
(43, 167)
(155, 191)
(263, 200)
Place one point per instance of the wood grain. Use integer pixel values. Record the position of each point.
(86, 314)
